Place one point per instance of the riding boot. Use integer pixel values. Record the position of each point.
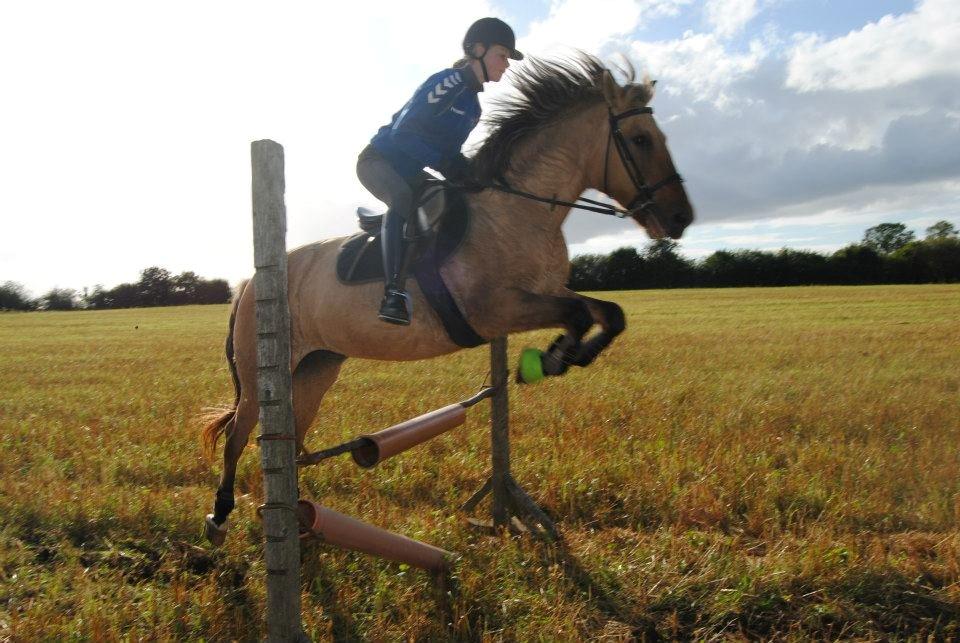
(394, 308)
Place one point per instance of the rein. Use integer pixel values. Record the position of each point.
(597, 206)
(640, 202)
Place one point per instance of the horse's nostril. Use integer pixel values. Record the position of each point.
(680, 218)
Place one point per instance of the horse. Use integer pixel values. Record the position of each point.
(553, 136)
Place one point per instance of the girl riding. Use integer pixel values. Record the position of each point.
(428, 132)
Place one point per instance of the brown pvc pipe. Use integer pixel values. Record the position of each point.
(400, 437)
(349, 533)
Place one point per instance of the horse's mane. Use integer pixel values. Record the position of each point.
(544, 92)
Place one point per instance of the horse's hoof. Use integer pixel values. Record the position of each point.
(530, 370)
(558, 356)
(216, 534)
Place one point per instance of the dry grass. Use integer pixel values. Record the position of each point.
(776, 463)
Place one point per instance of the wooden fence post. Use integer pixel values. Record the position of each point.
(500, 432)
(277, 431)
(511, 506)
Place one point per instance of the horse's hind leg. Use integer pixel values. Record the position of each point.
(312, 377)
(237, 434)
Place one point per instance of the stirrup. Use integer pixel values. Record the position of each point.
(400, 316)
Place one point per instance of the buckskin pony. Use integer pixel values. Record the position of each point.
(568, 127)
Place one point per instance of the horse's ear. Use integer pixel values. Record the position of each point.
(611, 90)
(640, 94)
(649, 86)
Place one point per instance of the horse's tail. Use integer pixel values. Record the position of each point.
(218, 419)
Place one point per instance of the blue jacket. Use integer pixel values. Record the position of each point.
(432, 126)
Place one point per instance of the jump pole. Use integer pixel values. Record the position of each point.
(274, 393)
(511, 506)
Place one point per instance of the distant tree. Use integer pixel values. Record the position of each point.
(96, 298)
(213, 291)
(663, 247)
(125, 296)
(623, 269)
(59, 299)
(942, 259)
(800, 267)
(184, 288)
(719, 269)
(586, 272)
(856, 264)
(663, 267)
(887, 237)
(740, 268)
(155, 287)
(936, 260)
(13, 296)
(941, 230)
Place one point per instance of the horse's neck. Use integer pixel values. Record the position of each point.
(553, 164)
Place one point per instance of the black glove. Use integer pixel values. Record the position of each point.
(457, 168)
(457, 171)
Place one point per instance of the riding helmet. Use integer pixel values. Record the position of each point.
(491, 31)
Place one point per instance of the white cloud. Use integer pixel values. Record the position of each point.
(126, 126)
(606, 243)
(886, 53)
(728, 17)
(590, 24)
(697, 64)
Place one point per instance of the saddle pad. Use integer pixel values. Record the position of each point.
(359, 261)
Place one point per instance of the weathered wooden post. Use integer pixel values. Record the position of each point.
(277, 431)
(500, 432)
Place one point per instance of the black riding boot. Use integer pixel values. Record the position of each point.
(393, 308)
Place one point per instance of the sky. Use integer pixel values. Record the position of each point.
(126, 126)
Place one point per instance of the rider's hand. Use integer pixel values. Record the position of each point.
(458, 173)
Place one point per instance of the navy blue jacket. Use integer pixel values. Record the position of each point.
(431, 128)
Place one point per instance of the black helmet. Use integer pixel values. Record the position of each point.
(491, 31)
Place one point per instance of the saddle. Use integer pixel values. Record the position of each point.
(437, 229)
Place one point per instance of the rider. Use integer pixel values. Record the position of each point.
(429, 131)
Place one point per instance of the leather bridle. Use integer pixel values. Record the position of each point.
(641, 201)
(644, 197)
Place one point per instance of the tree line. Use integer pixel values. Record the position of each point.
(156, 287)
(889, 253)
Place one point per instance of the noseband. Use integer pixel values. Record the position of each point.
(644, 197)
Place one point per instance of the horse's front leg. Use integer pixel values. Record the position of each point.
(612, 322)
(523, 310)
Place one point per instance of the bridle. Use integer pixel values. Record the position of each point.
(644, 197)
(641, 201)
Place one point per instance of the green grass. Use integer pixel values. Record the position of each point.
(776, 463)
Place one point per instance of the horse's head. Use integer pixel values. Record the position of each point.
(637, 169)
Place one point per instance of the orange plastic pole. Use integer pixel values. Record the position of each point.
(349, 533)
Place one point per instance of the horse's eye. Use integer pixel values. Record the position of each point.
(643, 141)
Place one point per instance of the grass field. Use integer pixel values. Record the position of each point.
(772, 463)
